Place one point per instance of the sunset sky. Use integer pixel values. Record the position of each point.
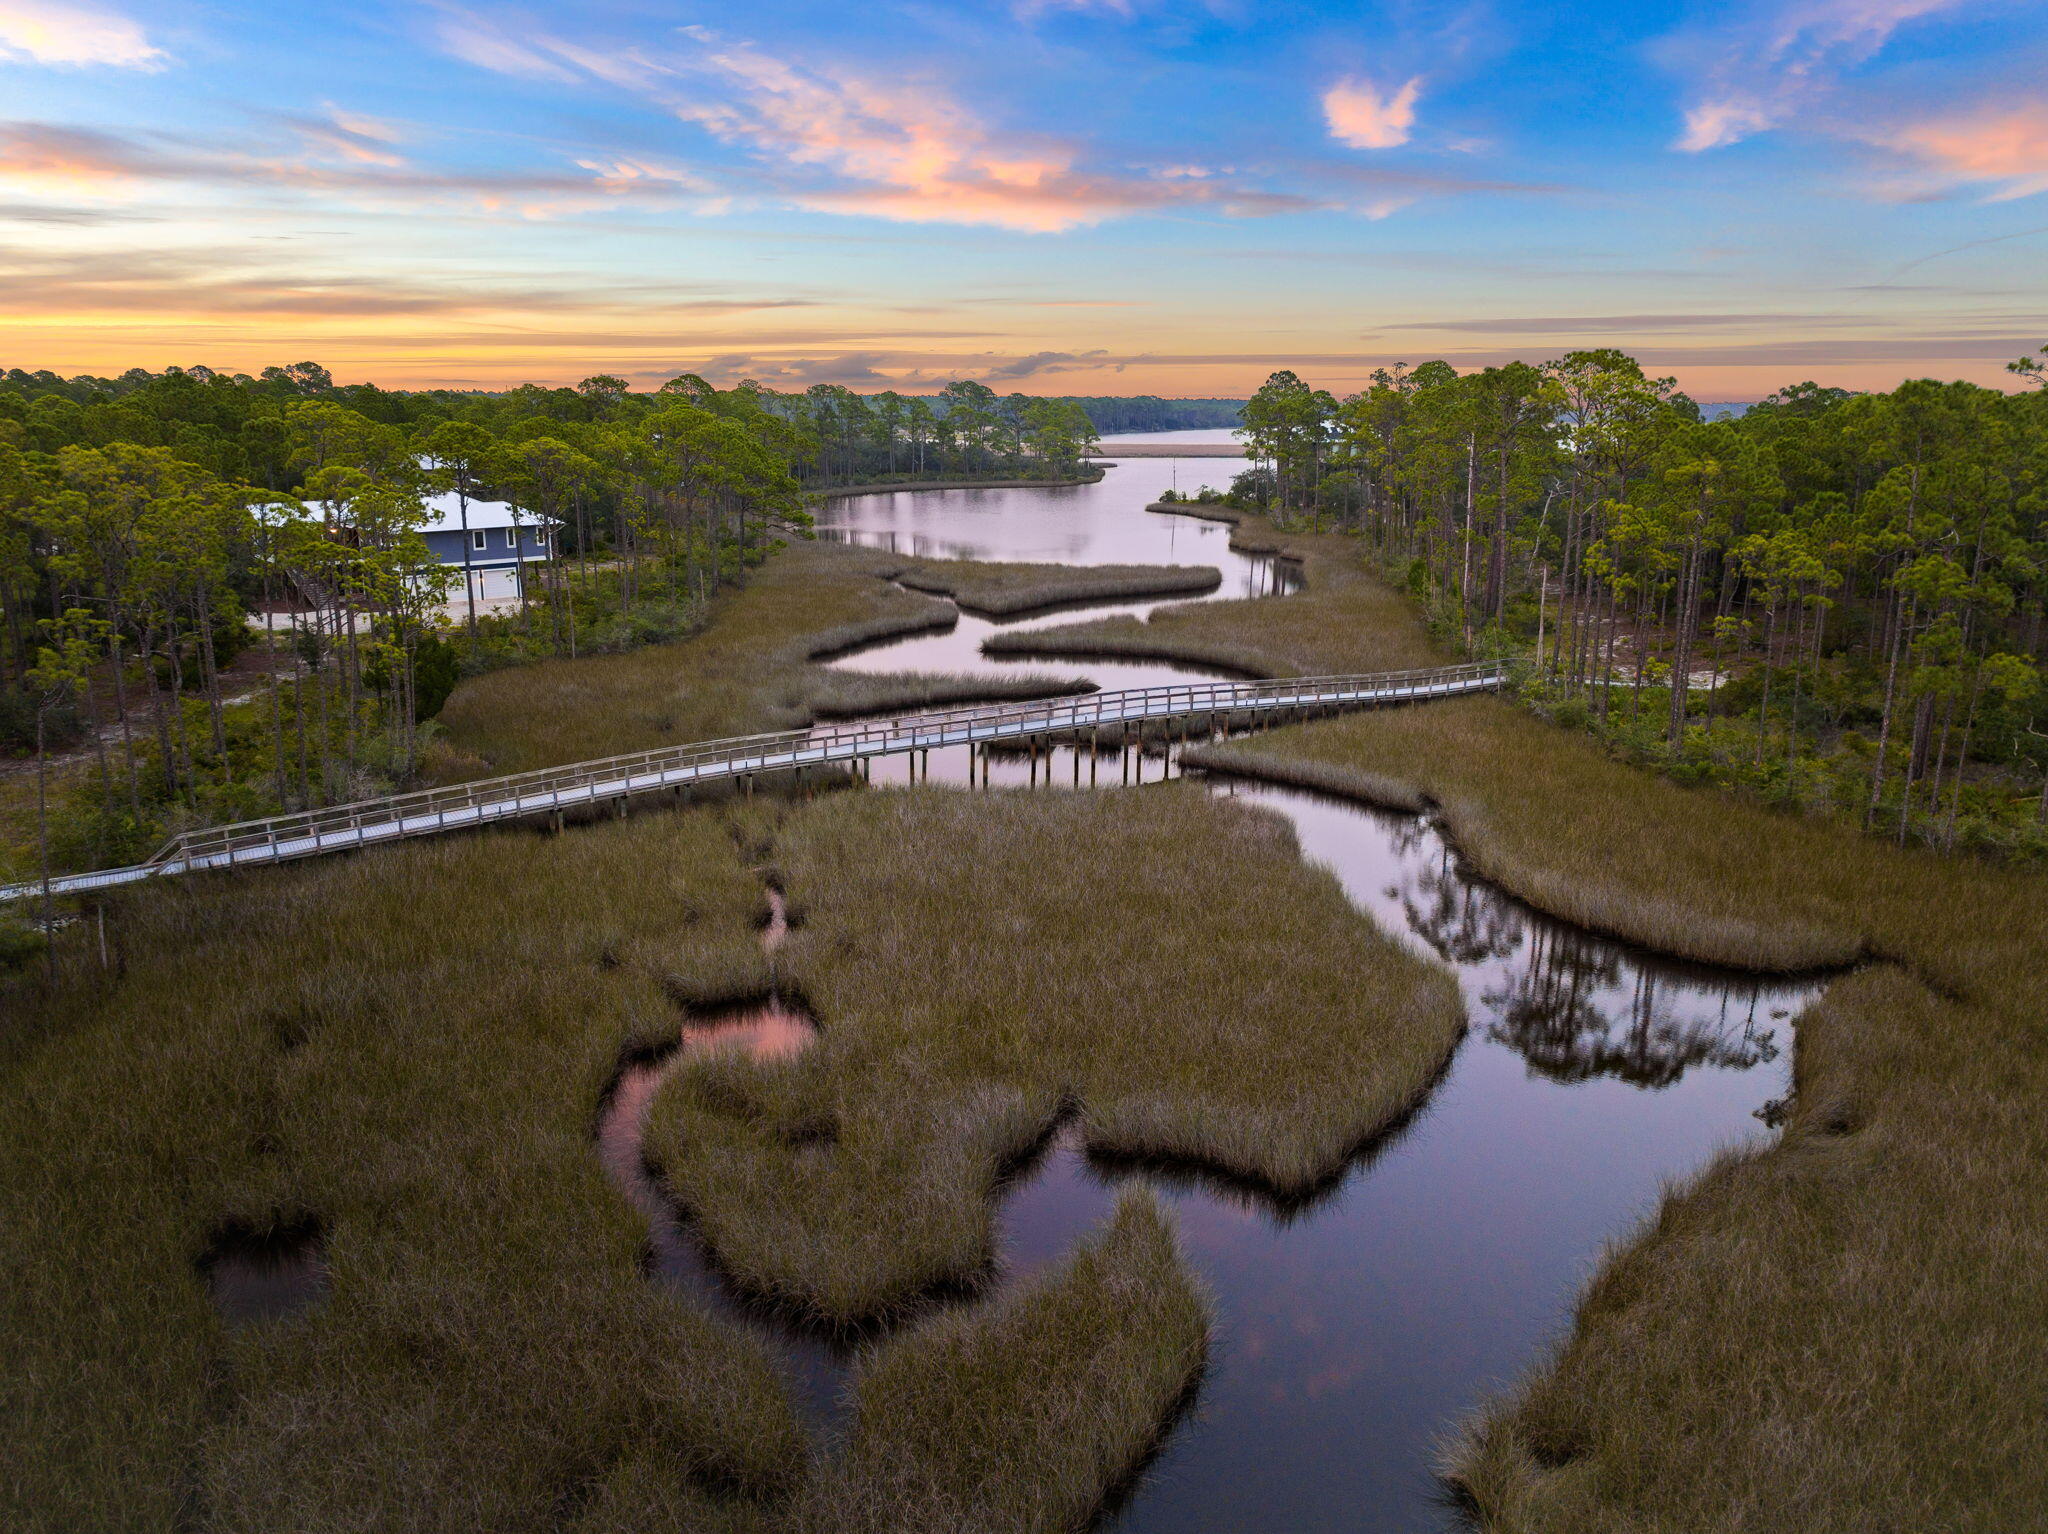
(1055, 196)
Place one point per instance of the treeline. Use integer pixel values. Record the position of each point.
(1148, 412)
(966, 430)
(1836, 599)
(226, 422)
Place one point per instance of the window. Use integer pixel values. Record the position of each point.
(512, 538)
(540, 535)
(476, 540)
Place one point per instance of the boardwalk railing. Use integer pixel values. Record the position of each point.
(552, 790)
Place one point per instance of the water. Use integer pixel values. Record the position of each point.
(1103, 523)
(1355, 1332)
(769, 1029)
(264, 1274)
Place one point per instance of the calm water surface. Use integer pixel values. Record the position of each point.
(1355, 1332)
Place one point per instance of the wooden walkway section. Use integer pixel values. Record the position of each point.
(582, 785)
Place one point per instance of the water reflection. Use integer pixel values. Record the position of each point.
(1557, 1013)
(1573, 1004)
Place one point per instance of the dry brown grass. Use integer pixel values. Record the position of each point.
(1157, 962)
(410, 1047)
(489, 1354)
(1088, 1365)
(1004, 590)
(862, 694)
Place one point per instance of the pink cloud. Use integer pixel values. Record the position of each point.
(1998, 143)
(913, 153)
(1367, 116)
(61, 32)
(842, 142)
(354, 137)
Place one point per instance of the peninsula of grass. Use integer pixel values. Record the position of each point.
(1007, 590)
(1157, 965)
(1088, 1364)
(749, 670)
(1342, 621)
(1088, 475)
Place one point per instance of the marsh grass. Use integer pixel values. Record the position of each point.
(487, 1352)
(859, 694)
(1319, 775)
(1007, 590)
(751, 669)
(1091, 1361)
(407, 1047)
(1158, 964)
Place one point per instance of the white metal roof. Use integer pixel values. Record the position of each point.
(444, 514)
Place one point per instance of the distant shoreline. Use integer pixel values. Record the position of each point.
(1167, 450)
(840, 492)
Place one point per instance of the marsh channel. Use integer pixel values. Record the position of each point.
(1356, 1328)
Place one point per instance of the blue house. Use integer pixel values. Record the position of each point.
(495, 549)
(489, 542)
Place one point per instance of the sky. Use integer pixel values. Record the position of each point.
(1051, 196)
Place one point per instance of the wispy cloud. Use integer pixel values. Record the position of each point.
(1369, 116)
(60, 32)
(911, 152)
(340, 156)
(1765, 68)
(1044, 362)
(352, 136)
(226, 282)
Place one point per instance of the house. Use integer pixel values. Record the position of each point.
(487, 541)
(494, 548)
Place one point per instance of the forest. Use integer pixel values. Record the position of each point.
(216, 599)
(1834, 600)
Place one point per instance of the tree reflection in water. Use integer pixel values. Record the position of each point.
(1574, 1005)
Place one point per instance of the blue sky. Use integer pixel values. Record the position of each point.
(1112, 196)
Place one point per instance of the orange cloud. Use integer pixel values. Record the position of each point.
(1365, 116)
(918, 155)
(60, 32)
(2007, 144)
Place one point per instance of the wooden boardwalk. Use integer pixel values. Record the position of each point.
(581, 785)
